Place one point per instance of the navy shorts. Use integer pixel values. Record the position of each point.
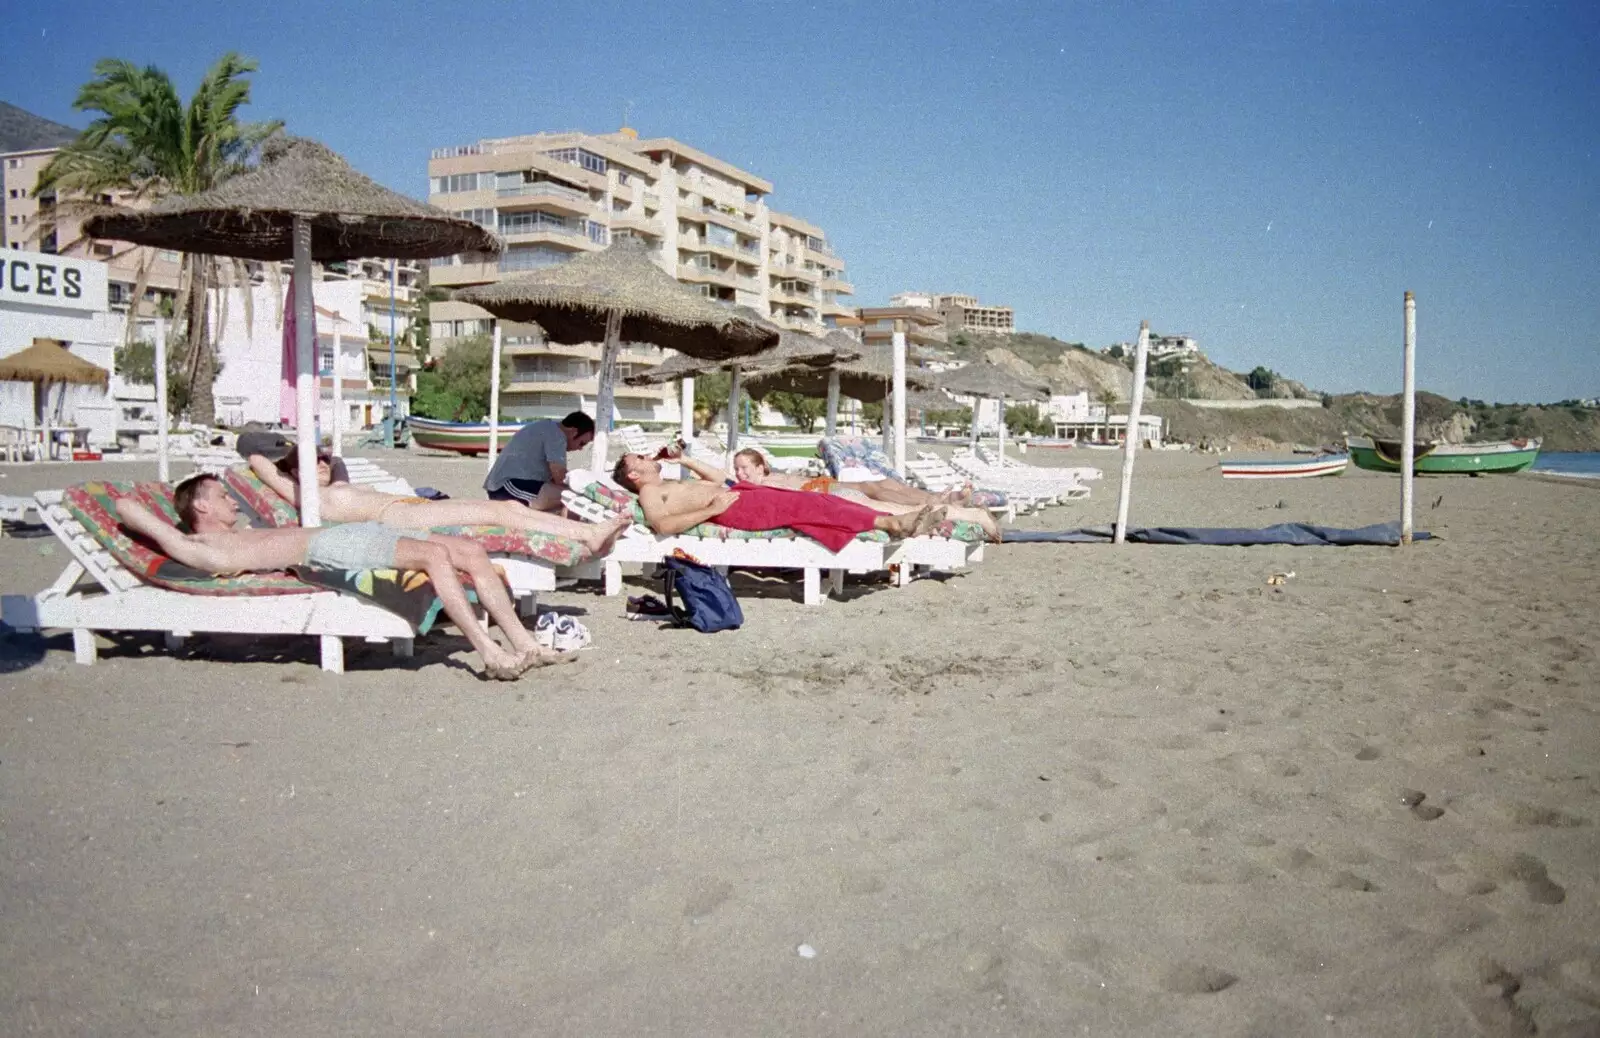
(524, 490)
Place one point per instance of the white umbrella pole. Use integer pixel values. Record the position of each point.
(305, 329)
(604, 400)
(338, 391)
(899, 396)
(1408, 421)
(494, 396)
(832, 425)
(163, 459)
(1002, 413)
(733, 412)
(686, 409)
(977, 409)
(1130, 436)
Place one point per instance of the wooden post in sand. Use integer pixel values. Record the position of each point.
(1130, 436)
(163, 423)
(494, 396)
(1408, 420)
(899, 415)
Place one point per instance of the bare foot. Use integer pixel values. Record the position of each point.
(514, 667)
(902, 525)
(928, 520)
(605, 535)
(990, 527)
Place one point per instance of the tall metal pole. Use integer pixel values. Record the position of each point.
(305, 328)
(1130, 435)
(394, 389)
(494, 396)
(1408, 420)
(163, 423)
(899, 341)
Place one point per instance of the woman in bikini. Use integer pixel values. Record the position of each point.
(750, 467)
(346, 503)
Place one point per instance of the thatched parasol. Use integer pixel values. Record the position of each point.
(252, 215)
(618, 295)
(794, 349)
(866, 378)
(991, 381)
(48, 363)
(303, 202)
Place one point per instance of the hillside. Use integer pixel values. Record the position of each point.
(1561, 428)
(22, 130)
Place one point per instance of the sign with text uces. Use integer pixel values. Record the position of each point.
(60, 282)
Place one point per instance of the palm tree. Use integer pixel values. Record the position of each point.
(1108, 397)
(145, 143)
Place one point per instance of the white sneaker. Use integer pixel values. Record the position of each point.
(544, 629)
(570, 635)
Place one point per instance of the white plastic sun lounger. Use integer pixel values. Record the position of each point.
(15, 510)
(119, 601)
(1061, 473)
(1044, 491)
(641, 545)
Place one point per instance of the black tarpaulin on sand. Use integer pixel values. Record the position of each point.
(1300, 534)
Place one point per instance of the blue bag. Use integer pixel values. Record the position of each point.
(707, 598)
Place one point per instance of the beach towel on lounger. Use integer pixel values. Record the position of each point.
(93, 505)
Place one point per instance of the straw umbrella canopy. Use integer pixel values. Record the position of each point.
(988, 380)
(48, 363)
(617, 295)
(794, 349)
(303, 202)
(866, 378)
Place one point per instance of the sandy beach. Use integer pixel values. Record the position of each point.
(1075, 790)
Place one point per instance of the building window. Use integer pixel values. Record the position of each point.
(13, 163)
(463, 182)
(579, 157)
(532, 257)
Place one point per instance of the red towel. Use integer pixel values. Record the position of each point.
(831, 521)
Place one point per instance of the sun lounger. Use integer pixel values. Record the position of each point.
(597, 499)
(365, 472)
(1063, 473)
(115, 583)
(1018, 481)
(14, 510)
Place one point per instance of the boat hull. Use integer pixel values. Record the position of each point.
(1307, 468)
(1435, 459)
(456, 437)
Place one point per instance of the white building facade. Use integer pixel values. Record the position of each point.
(45, 296)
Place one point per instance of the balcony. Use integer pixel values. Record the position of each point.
(547, 195)
(634, 221)
(839, 285)
(651, 199)
(711, 275)
(732, 221)
(458, 274)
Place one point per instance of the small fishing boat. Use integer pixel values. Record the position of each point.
(1439, 459)
(1296, 468)
(457, 437)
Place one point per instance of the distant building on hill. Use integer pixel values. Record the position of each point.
(1182, 344)
(961, 313)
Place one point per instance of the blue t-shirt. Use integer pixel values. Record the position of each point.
(529, 454)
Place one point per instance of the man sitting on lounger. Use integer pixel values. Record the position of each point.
(671, 507)
(750, 467)
(348, 503)
(215, 544)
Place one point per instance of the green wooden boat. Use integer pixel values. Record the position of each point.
(1444, 459)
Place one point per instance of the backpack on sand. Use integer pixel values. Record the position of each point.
(707, 601)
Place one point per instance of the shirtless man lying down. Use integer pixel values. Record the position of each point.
(348, 503)
(671, 507)
(750, 467)
(215, 544)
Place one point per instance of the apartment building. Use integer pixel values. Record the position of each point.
(45, 224)
(874, 325)
(551, 196)
(960, 312)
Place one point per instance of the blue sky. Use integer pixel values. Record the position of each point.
(1269, 177)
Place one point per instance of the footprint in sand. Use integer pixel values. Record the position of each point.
(1196, 978)
(1488, 993)
(1368, 753)
(707, 896)
(1347, 880)
(1536, 881)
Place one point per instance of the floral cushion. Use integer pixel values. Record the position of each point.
(527, 544)
(841, 452)
(259, 503)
